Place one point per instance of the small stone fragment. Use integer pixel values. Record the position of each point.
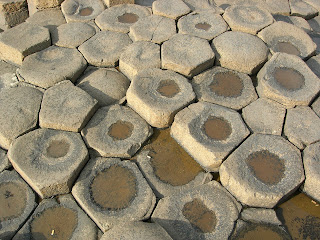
(170, 8)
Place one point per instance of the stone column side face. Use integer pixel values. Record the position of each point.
(38, 5)
(12, 13)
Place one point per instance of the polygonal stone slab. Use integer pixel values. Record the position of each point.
(208, 132)
(287, 38)
(302, 126)
(21, 41)
(240, 51)
(157, 95)
(17, 201)
(52, 65)
(297, 21)
(20, 107)
(262, 171)
(104, 48)
(116, 131)
(170, 8)
(302, 9)
(203, 24)
(203, 5)
(66, 107)
(208, 211)
(38, 5)
(120, 18)
(314, 64)
(4, 161)
(186, 54)
(153, 28)
(112, 191)
(286, 79)
(49, 160)
(139, 56)
(224, 87)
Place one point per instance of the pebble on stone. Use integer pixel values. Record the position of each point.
(316, 106)
(119, 18)
(314, 64)
(208, 132)
(111, 3)
(287, 79)
(297, 21)
(17, 201)
(49, 160)
(4, 160)
(40, 5)
(170, 8)
(240, 51)
(187, 55)
(196, 5)
(202, 24)
(157, 95)
(262, 171)
(112, 191)
(225, 87)
(116, 131)
(302, 9)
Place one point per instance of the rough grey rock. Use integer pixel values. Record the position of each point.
(316, 106)
(12, 13)
(4, 160)
(302, 9)
(170, 8)
(297, 21)
(203, 5)
(7, 68)
(314, 64)
(111, 3)
(315, 24)
(39, 5)
(260, 215)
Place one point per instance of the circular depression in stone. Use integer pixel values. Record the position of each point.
(120, 130)
(200, 217)
(54, 223)
(58, 148)
(287, 47)
(217, 128)
(226, 84)
(114, 188)
(86, 11)
(266, 166)
(12, 201)
(203, 26)
(168, 88)
(128, 18)
(289, 78)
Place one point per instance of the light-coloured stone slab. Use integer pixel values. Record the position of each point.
(297, 21)
(302, 9)
(170, 8)
(39, 5)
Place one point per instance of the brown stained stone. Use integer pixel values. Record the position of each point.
(261, 232)
(226, 84)
(168, 88)
(217, 128)
(128, 18)
(200, 217)
(54, 223)
(266, 166)
(114, 188)
(203, 26)
(287, 47)
(289, 79)
(120, 130)
(86, 11)
(12, 201)
(57, 149)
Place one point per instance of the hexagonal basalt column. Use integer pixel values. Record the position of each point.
(262, 171)
(208, 132)
(17, 201)
(49, 160)
(116, 131)
(288, 80)
(170, 8)
(224, 87)
(157, 95)
(112, 191)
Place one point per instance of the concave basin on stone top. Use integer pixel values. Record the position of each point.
(226, 84)
(120, 130)
(86, 11)
(57, 149)
(168, 88)
(217, 128)
(289, 79)
(128, 18)
(203, 26)
(287, 47)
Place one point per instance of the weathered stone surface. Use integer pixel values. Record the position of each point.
(116, 131)
(314, 64)
(39, 5)
(203, 24)
(104, 48)
(316, 106)
(302, 9)
(111, 3)
(4, 161)
(170, 8)
(7, 68)
(55, 63)
(112, 191)
(208, 132)
(186, 54)
(273, 6)
(21, 41)
(203, 5)
(240, 51)
(12, 13)
(260, 215)
(120, 18)
(225, 87)
(208, 211)
(9, 6)
(297, 21)
(49, 160)
(288, 80)
(66, 107)
(17, 202)
(139, 56)
(153, 28)
(315, 24)
(20, 107)
(262, 171)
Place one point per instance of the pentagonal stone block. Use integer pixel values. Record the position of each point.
(66, 107)
(153, 28)
(186, 54)
(4, 160)
(112, 191)
(170, 8)
(139, 56)
(116, 131)
(314, 64)
(297, 21)
(120, 18)
(157, 95)
(55, 63)
(287, 38)
(21, 41)
(12, 13)
(111, 3)
(262, 171)
(302, 126)
(108, 86)
(203, 24)
(49, 160)
(288, 80)
(203, 5)
(104, 48)
(38, 5)
(208, 211)
(20, 107)
(81, 10)
(17, 201)
(240, 51)
(302, 9)
(208, 132)
(316, 106)
(225, 87)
